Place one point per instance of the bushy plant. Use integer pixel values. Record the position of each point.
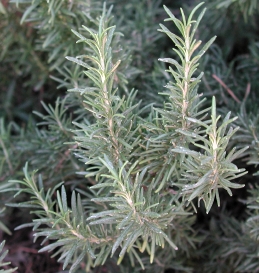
(131, 165)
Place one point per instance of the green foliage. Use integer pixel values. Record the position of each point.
(2, 263)
(213, 169)
(144, 169)
(246, 7)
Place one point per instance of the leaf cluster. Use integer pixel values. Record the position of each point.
(133, 172)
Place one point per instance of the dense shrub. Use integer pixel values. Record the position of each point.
(129, 155)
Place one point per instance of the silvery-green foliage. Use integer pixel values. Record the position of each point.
(136, 170)
(2, 257)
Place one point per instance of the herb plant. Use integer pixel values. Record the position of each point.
(117, 178)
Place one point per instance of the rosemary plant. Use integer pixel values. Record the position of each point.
(112, 179)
